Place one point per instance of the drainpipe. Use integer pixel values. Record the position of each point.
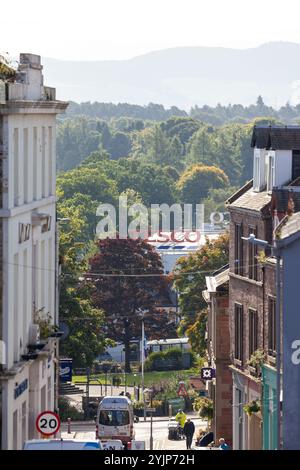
(278, 343)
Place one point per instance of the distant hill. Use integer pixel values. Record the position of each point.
(184, 77)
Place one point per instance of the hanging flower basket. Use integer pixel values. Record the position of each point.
(252, 407)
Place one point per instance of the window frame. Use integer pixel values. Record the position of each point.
(252, 255)
(271, 325)
(253, 331)
(238, 249)
(238, 332)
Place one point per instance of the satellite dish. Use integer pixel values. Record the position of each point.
(65, 329)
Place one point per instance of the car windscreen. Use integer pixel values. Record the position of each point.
(114, 417)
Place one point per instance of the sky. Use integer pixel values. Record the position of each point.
(122, 29)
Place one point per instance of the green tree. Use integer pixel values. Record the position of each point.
(197, 180)
(189, 280)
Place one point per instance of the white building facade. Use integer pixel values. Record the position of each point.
(28, 249)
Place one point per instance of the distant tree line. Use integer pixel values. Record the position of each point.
(214, 115)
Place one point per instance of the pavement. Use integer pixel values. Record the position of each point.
(86, 430)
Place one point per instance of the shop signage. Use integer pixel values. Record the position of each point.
(20, 388)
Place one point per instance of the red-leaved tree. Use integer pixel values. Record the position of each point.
(128, 281)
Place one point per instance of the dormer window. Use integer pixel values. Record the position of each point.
(271, 171)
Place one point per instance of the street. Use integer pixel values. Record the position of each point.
(86, 430)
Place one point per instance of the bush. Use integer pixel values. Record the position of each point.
(171, 359)
(106, 367)
(66, 410)
(116, 380)
(205, 408)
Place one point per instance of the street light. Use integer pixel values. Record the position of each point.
(56, 306)
(276, 251)
(149, 392)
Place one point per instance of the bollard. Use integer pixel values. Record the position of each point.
(69, 425)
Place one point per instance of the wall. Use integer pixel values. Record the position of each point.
(269, 408)
(291, 346)
(283, 167)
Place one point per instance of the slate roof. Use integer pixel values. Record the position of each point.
(285, 200)
(252, 200)
(291, 226)
(276, 137)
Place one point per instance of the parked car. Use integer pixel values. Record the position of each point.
(112, 444)
(62, 444)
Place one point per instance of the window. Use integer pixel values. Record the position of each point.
(114, 417)
(256, 172)
(35, 163)
(271, 165)
(272, 326)
(252, 254)
(16, 165)
(26, 165)
(238, 249)
(238, 331)
(253, 331)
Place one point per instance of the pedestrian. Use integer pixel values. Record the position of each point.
(181, 419)
(188, 431)
(223, 445)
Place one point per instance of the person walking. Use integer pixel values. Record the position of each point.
(181, 419)
(188, 431)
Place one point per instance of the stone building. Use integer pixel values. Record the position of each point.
(28, 112)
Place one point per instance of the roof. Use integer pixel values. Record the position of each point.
(168, 341)
(213, 282)
(289, 226)
(239, 192)
(276, 137)
(252, 200)
(286, 199)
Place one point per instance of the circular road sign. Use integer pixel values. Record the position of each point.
(48, 423)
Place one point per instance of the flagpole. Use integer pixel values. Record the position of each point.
(143, 360)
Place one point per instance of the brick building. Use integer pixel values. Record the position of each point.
(257, 209)
(218, 341)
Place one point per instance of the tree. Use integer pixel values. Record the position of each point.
(197, 180)
(86, 339)
(87, 180)
(127, 279)
(189, 279)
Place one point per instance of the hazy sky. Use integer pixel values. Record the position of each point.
(121, 29)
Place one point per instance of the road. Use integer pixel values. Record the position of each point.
(142, 430)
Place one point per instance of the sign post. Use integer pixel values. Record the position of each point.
(208, 373)
(47, 423)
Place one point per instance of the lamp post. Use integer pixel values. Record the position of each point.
(263, 243)
(56, 307)
(143, 360)
(149, 392)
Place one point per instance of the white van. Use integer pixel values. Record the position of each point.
(62, 444)
(115, 420)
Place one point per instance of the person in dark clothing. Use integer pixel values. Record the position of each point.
(188, 431)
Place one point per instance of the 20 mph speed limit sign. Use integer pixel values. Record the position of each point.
(48, 423)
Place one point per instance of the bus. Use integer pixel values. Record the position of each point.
(115, 420)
